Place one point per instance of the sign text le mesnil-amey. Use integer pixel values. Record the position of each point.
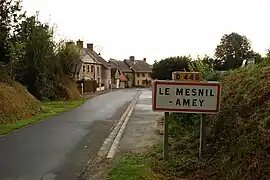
(179, 96)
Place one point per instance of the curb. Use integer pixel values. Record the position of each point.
(106, 146)
(117, 139)
(103, 151)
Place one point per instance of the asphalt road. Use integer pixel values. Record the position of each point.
(59, 147)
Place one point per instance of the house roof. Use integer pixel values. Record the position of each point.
(94, 58)
(138, 65)
(121, 65)
(97, 57)
(123, 77)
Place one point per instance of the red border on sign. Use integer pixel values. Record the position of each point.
(155, 83)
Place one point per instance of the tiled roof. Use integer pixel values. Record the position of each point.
(123, 78)
(98, 58)
(85, 52)
(138, 65)
(121, 65)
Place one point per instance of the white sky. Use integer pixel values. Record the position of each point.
(156, 29)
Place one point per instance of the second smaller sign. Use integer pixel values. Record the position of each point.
(187, 76)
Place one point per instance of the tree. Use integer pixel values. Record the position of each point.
(10, 16)
(45, 65)
(203, 65)
(67, 55)
(163, 69)
(36, 68)
(232, 50)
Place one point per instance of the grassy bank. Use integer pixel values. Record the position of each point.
(47, 109)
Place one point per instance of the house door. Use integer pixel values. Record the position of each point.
(117, 83)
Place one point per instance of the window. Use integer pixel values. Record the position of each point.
(143, 75)
(88, 68)
(83, 68)
(138, 82)
(138, 74)
(98, 71)
(92, 68)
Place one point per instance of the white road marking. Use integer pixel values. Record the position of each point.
(106, 146)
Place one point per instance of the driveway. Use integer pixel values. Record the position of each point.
(59, 147)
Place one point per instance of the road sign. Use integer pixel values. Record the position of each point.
(187, 76)
(187, 97)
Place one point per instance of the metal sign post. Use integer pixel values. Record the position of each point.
(186, 97)
(202, 136)
(166, 136)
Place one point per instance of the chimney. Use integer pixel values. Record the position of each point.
(132, 58)
(90, 46)
(80, 44)
(144, 59)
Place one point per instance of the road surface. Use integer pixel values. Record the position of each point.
(58, 148)
(138, 137)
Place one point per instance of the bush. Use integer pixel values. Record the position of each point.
(239, 134)
(238, 137)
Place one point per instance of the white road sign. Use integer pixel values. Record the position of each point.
(188, 97)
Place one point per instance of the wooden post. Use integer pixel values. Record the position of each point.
(202, 136)
(165, 135)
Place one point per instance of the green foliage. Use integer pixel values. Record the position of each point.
(30, 56)
(183, 148)
(163, 69)
(10, 16)
(67, 56)
(232, 50)
(36, 67)
(203, 65)
(131, 168)
(237, 137)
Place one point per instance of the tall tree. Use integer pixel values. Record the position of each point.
(232, 50)
(36, 69)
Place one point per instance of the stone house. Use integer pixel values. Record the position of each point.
(91, 66)
(137, 72)
(141, 71)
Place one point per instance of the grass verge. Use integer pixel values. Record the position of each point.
(132, 167)
(48, 109)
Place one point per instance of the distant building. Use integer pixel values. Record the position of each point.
(91, 66)
(137, 72)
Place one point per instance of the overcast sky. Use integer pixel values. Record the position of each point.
(156, 29)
